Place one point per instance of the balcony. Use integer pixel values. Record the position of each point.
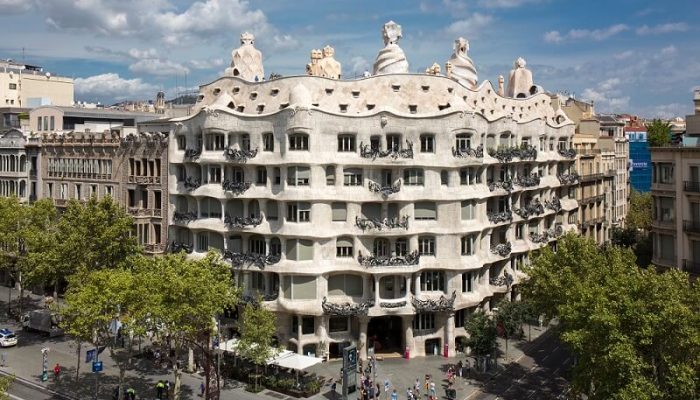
(502, 249)
(144, 180)
(590, 177)
(507, 154)
(235, 187)
(250, 259)
(192, 154)
(367, 151)
(144, 212)
(588, 152)
(191, 183)
(534, 208)
(554, 205)
(499, 217)
(184, 217)
(504, 280)
(610, 173)
(506, 185)
(568, 179)
(664, 223)
(592, 199)
(527, 181)
(381, 224)
(153, 248)
(594, 221)
(691, 267)
(690, 186)
(691, 226)
(386, 190)
(242, 222)
(388, 261)
(176, 247)
(240, 156)
(441, 304)
(567, 153)
(346, 309)
(468, 152)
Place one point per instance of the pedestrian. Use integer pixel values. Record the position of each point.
(131, 394)
(57, 371)
(409, 394)
(370, 391)
(394, 395)
(201, 389)
(167, 389)
(160, 386)
(459, 368)
(334, 386)
(115, 393)
(378, 392)
(416, 387)
(433, 393)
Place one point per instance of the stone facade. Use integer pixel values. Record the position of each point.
(14, 166)
(380, 211)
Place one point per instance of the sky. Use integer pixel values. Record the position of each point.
(633, 56)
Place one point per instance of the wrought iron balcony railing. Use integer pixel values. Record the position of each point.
(567, 153)
(568, 179)
(531, 209)
(386, 191)
(191, 183)
(240, 155)
(590, 177)
(504, 280)
(592, 199)
(502, 249)
(395, 261)
(554, 205)
(176, 247)
(498, 217)
(153, 248)
(247, 259)
(507, 154)
(235, 187)
(192, 154)
(346, 309)
(381, 224)
(367, 151)
(691, 186)
(253, 298)
(242, 222)
(468, 152)
(184, 217)
(506, 185)
(527, 181)
(540, 237)
(441, 304)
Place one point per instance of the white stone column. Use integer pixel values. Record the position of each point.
(376, 289)
(417, 284)
(300, 345)
(407, 322)
(450, 333)
(362, 342)
(408, 287)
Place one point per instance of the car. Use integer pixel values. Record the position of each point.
(7, 338)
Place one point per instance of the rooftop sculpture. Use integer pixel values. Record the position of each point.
(460, 67)
(324, 64)
(520, 84)
(246, 61)
(391, 59)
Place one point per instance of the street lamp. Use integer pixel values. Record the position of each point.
(44, 364)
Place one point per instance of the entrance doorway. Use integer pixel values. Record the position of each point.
(432, 347)
(385, 334)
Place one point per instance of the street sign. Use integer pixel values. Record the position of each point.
(90, 355)
(97, 366)
(349, 373)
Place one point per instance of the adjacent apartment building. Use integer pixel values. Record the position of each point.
(381, 211)
(675, 189)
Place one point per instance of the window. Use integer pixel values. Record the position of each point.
(272, 213)
(202, 241)
(432, 281)
(352, 177)
(343, 247)
(381, 247)
(338, 324)
(519, 228)
(346, 143)
(444, 178)
(425, 210)
(307, 325)
(215, 174)
(467, 281)
(78, 191)
(298, 141)
(268, 142)
(413, 177)
(64, 191)
(424, 322)
(427, 144)
(261, 176)
(666, 209)
(52, 123)
(339, 211)
(393, 142)
(298, 176)
(469, 245)
(469, 176)
(108, 190)
(49, 190)
(245, 141)
(215, 142)
(463, 141)
(13, 86)
(375, 142)
(426, 246)
(277, 176)
(181, 142)
(345, 285)
(298, 212)
(256, 245)
(38, 124)
(330, 175)
(461, 317)
(468, 210)
(299, 287)
(665, 173)
(300, 250)
(401, 247)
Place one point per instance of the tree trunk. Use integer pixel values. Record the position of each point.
(21, 296)
(122, 372)
(55, 292)
(178, 373)
(77, 368)
(506, 357)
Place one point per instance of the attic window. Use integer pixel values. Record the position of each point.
(520, 116)
(200, 98)
(343, 108)
(413, 108)
(231, 105)
(355, 93)
(449, 90)
(483, 112)
(236, 89)
(483, 99)
(261, 107)
(274, 92)
(488, 91)
(395, 87)
(217, 91)
(443, 106)
(314, 104)
(253, 95)
(425, 88)
(284, 105)
(240, 109)
(329, 91)
(370, 107)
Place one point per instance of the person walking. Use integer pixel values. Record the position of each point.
(394, 395)
(459, 368)
(201, 389)
(160, 386)
(57, 372)
(167, 389)
(131, 394)
(433, 392)
(409, 394)
(416, 387)
(334, 386)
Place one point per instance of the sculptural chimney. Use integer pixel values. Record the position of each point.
(246, 61)
(391, 59)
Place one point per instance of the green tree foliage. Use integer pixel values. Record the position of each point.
(510, 317)
(184, 298)
(658, 133)
(636, 333)
(639, 212)
(5, 383)
(257, 335)
(482, 334)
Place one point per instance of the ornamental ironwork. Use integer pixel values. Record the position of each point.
(498, 217)
(567, 153)
(191, 183)
(395, 261)
(253, 299)
(381, 224)
(248, 259)
(184, 217)
(540, 237)
(242, 222)
(558, 230)
(429, 305)
(506, 185)
(398, 304)
(240, 155)
(346, 309)
(507, 154)
(468, 152)
(237, 188)
(527, 181)
(367, 151)
(176, 247)
(502, 249)
(554, 205)
(568, 179)
(533, 208)
(505, 280)
(192, 154)
(384, 190)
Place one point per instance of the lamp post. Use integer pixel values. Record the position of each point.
(44, 364)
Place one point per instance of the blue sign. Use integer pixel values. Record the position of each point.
(89, 356)
(97, 366)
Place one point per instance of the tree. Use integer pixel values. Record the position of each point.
(510, 317)
(482, 335)
(639, 212)
(658, 133)
(635, 333)
(103, 298)
(5, 383)
(186, 295)
(11, 218)
(257, 335)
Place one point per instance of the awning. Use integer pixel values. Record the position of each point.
(284, 359)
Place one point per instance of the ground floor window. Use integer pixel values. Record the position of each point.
(338, 324)
(424, 322)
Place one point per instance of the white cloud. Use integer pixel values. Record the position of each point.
(666, 111)
(582, 34)
(15, 6)
(669, 51)
(358, 65)
(158, 67)
(112, 86)
(624, 55)
(141, 54)
(471, 26)
(505, 3)
(662, 28)
(607, 96)
(206, 64)
(285, 42)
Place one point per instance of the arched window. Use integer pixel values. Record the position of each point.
(380, 248)
(254, 209)
(210, 208)
(256, 245)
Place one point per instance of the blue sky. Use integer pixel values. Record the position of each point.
(636, 56)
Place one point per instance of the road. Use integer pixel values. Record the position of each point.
(539, 374)
(21, 391)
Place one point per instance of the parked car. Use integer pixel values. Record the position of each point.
(7, 338)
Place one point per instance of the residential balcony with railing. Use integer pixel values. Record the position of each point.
(145, 212)
(384, 190)
(592, 199)
(567, 153)
(499, 217)
(590, 177)
(192, 154)
(144, 180)
(534, 208)
(468, 152)
(691, 186)
(240, 155)
(691, 226)
(153, 248)
(370, 152)
(667, 223)
(568, 178)
(408, 259)
(235, 187)
(502, 249)
(506, 154)
(377, 224)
